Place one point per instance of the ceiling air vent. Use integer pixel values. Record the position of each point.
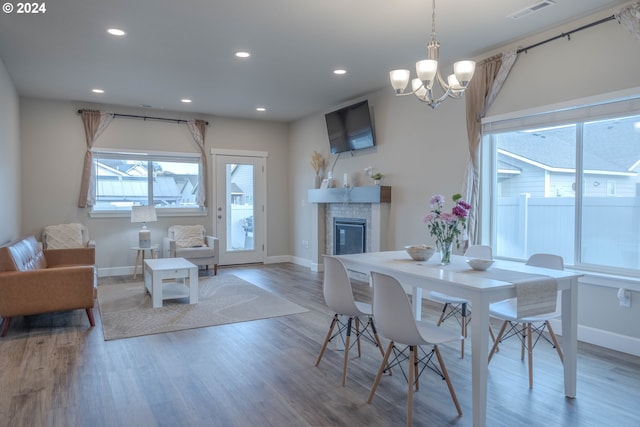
(531, 9)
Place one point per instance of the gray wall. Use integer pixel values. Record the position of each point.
(53, 146)
(9, 159)
(423, 151)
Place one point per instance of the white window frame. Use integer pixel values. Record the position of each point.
(618, 104)
(153, 156)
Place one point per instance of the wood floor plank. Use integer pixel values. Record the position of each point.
(56, 371)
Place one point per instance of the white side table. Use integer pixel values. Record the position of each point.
(153, 251)
(170, 278)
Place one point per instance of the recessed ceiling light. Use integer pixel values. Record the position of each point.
(116, 32)
(186, 100)
(97, 90)
(261, 109)
(242, 54)
(339, 71)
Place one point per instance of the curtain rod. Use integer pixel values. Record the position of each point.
(134, 116)
(567, 35)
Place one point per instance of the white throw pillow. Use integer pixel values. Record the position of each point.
(188, 236)
(63, 236)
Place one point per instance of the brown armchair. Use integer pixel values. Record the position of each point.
(33, 281)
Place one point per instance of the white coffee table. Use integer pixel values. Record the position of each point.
(170, 278)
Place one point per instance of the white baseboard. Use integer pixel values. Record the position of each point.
(602, 338)
(116, 271)
(277, 259)
(306, 263)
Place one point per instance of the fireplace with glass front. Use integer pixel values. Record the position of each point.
(349, 236)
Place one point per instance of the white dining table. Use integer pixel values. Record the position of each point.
(480, 288)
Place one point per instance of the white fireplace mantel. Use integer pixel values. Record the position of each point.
(368, 194)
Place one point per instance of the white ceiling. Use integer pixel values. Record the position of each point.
(184, 48)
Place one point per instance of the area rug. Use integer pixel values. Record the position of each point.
(126, 309)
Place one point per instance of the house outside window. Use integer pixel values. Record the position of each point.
(166, 181)
(569, 186)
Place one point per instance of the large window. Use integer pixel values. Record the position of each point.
(568, 186)
(166, 181)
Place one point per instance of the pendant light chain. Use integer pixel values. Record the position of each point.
(433, 21)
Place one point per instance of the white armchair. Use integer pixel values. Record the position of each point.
(192, 243)
(66, 236)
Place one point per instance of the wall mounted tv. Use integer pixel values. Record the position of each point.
(350, 128)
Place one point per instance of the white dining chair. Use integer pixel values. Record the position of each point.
(460, 308)
(395, 320)
(524, 322)
(338, 295)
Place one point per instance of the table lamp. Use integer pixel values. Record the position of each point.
(143, 214)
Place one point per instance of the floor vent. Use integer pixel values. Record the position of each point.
(531, 9)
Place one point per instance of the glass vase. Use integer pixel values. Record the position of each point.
(445, 253)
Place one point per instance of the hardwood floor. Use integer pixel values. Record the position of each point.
(56, 371)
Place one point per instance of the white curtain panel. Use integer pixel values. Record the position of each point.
(629, 16)
(197, 128)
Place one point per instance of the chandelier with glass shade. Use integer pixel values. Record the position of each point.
(429, 75)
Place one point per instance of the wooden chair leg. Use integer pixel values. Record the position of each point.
(464, 329)
(346, 351)
(498, 338)
(554, 339)
(385, 361)
(90, 316)
(416, 369)
(375, 335)
(493, 337)
(326, 340)
(6, 321)
(358, 336)
(448, 380)
(412, 374)
(524, 337)
(444, 309)
(530, 351)
(215, 269)
(377, 338)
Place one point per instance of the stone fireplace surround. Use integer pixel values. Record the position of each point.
(351, 211)
(371, 203)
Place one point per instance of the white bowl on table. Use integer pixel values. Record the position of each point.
(420, 252)
(479, 264)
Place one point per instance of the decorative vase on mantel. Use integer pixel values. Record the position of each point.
(377, 178)
(317, 180)
(445, 252)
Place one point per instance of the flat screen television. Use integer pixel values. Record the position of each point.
(350, 128)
